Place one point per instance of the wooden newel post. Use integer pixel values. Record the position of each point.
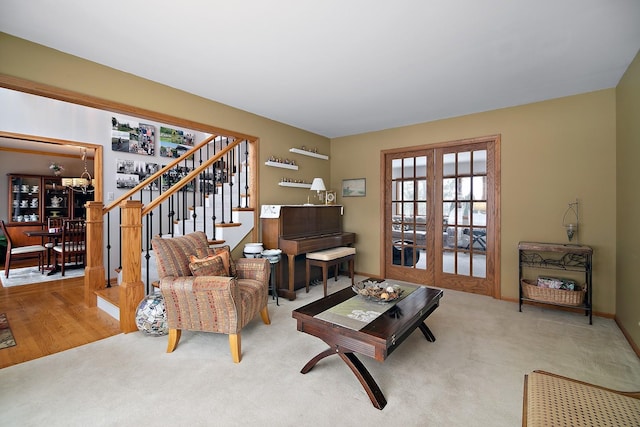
(94, 277)
(131, 288)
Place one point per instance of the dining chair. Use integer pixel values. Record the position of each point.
(56, 222)
(20, 252)
(53, 223)
(71, 249)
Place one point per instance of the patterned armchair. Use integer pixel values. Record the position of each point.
(198, 297)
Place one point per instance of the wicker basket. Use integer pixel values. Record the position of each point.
(558, 296)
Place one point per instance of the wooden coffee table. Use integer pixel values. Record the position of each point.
(377, 339)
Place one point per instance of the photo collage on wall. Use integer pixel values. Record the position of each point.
(139, 138)
(174, 143)
(174, 175)
(133, 137)
(130, 173)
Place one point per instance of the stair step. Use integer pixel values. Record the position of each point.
(111, 294)
(108, 300)
(229, 224)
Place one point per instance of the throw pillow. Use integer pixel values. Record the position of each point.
(172, 254)
(225, 251)
(209, 266)
(223, 254)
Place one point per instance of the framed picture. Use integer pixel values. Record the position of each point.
(132, 137)
(354, 187)
(174, 143)
(130, 173)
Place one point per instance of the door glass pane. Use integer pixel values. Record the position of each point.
(479, 187)
(479, 265)
(449, 189)
(447, 262)
(463, 265)
(464, 163)
(408, 190)
(464, 188)
(479, 214)
(449, 165)
(421, 166)
(480, 162)
(421, 190)
(408, 209)
(464, 209)
(396, 168)
(421, 257)
(408, 167)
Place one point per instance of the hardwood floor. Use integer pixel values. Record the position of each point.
(50, 317)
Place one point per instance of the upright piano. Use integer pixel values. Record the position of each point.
(296, 230)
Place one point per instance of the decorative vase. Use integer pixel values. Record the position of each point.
(151, 316)
(253, 250)
(57, 172)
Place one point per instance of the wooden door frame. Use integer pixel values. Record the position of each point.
(493, 237)
(97, 156)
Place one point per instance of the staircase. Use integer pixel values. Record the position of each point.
(231, 232)
(198, 201)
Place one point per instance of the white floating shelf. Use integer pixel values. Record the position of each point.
(308, 153)
(281, 165)
(294, 184)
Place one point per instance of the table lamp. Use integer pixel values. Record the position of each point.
(318, 185)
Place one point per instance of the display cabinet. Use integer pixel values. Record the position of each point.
(35, 199)
(56, 199)
(570, 261)
(78, 202)
(25, 195)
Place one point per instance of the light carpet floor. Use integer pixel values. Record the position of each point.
(29, 275)
(472, 375)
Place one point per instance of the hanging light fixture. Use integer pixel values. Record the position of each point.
(84, 183)
(570, 221)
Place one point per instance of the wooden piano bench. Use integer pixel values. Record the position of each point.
(330, 258)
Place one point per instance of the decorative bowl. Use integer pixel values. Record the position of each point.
(378, 291)
(272, 254)
(253, 250)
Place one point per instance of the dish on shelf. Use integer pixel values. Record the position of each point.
(378, 291)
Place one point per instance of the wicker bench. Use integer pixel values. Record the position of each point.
(330, 258)
(554, 400)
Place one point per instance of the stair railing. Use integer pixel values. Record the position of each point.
(176, 200)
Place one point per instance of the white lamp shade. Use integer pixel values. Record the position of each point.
(318, 184)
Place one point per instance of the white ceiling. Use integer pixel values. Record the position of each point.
(343, 67)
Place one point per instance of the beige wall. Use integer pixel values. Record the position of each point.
(628, 250)
(552, 152)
